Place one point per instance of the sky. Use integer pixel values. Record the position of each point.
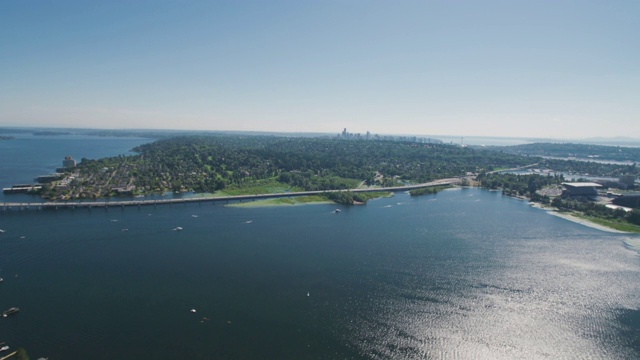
(550, 69)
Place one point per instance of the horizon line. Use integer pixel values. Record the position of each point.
(337, 133)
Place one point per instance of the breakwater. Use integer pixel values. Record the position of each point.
(127, 203)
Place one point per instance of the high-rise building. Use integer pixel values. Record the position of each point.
(68, 162)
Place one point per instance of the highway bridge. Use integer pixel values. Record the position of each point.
(122, 203)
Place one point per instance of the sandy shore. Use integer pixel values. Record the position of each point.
(587, 223)
(575, 219)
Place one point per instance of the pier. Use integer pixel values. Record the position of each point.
(114, 204)
(24, 188)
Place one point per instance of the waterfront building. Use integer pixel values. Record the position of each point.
(68, 162)
(629, 200)
(589, 189)
(43, 179)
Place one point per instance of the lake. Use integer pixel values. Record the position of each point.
(463, 274)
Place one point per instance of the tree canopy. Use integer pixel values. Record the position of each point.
(210, 163)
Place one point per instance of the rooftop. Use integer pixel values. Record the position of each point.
(581, 184)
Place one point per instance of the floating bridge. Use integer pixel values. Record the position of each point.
(239, 198)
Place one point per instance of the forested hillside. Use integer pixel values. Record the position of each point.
(210, 163)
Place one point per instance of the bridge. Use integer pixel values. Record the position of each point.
(115, 204)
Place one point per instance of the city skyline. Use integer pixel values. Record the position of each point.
(565, 70)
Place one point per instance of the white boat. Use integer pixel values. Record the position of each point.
(11, 311)
(1, 231)
(4, 348)
(179, 228)
(337, 210)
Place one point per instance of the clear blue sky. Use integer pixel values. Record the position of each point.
(561, 69)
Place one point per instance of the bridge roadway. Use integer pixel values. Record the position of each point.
(107, 204)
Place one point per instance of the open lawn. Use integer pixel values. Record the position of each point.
(294, 200)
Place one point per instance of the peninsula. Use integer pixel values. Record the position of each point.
(344, 170)
(250, 165)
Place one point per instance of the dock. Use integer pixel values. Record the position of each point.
(23, 188)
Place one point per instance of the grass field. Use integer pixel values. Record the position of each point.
(613, 224)
(294, 200)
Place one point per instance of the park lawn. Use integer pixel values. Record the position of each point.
(294, 200)
(611, 223)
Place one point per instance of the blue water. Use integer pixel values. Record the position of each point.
(463, 274)
(28, 156)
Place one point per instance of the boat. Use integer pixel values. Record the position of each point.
(1, 279)
(11, 311)
(337, 210)
(179, 228)
(4, 348)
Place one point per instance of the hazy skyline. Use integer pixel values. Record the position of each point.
(547, 69)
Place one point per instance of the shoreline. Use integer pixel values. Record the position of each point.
(275, 203)
(588, 223)
(554, 212)
(192, 199)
